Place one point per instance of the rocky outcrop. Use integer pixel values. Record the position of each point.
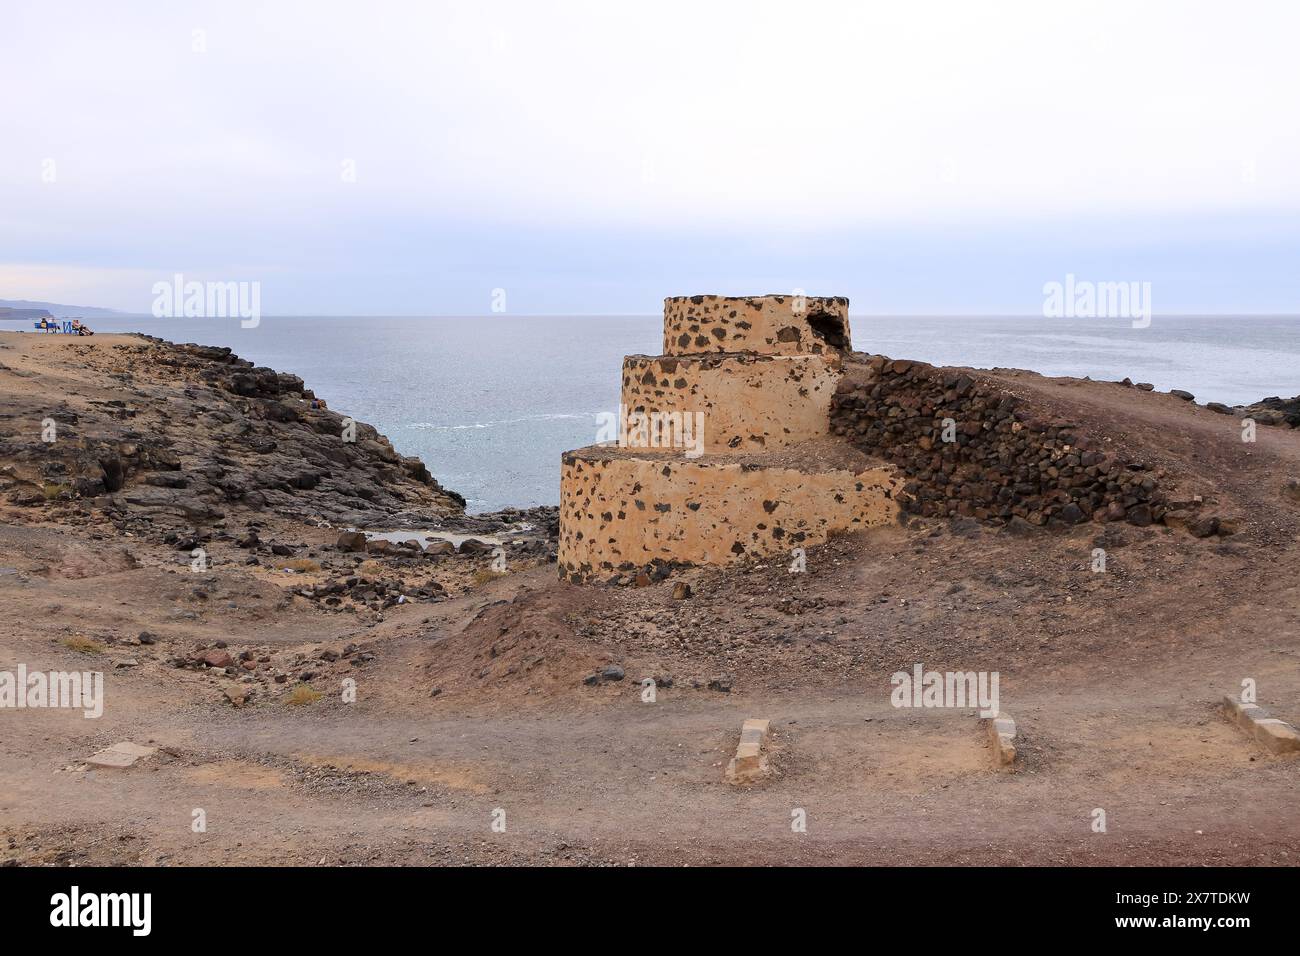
(198, 431)
(1274, 411)
(1284, 412)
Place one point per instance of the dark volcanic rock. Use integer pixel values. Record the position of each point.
(199, 432)
(1275, 411)
(969, 448)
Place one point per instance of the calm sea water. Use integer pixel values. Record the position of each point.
(490, 403)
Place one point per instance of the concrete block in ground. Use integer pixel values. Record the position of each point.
(120, 755)
(1275, 735)
(1002, 735)
(750, 763)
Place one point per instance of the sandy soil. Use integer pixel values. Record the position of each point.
(476, 703)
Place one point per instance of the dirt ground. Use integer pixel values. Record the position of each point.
(474, 708)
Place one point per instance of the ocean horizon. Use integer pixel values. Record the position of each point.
(490, 402)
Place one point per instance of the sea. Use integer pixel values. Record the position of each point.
(490, 402)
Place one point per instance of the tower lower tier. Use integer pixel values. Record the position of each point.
(622, 510)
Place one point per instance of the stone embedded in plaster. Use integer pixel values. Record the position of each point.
(766, 324)
(748, 402)
(621, 510)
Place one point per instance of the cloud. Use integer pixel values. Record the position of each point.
(299, 140)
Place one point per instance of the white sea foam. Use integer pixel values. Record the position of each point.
(558, 416)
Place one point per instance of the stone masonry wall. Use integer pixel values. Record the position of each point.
(1006, 461)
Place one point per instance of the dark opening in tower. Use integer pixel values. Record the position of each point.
(829, 328)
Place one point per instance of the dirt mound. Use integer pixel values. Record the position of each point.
(515, 651)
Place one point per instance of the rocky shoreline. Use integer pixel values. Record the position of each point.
(196, 431)
(197, 451)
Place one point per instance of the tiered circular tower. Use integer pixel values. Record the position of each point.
(724, 450)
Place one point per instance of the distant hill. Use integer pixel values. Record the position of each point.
(7, 313)
(25, 309)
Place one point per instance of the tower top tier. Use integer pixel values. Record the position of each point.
(767, 324)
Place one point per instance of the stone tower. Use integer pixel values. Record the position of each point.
(724, 448)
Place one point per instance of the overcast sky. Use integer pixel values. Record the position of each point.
(401, 158)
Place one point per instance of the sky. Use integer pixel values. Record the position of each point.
(593, 158)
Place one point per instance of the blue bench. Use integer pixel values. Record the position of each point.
(55, 328)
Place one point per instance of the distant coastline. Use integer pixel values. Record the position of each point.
(23, 309)
(17, 315)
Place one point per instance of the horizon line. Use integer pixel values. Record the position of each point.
(634, 315)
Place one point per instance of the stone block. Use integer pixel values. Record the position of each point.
(1273, 734)
(1002, 736)
(120, 755)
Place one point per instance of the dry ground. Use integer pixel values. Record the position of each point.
(1112, 678)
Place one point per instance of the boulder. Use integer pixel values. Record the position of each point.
(471, 546)
(1139, 515)
(1018, 527)
(218, 659)
(352, 541)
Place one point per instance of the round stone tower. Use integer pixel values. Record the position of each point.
(723, 446)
